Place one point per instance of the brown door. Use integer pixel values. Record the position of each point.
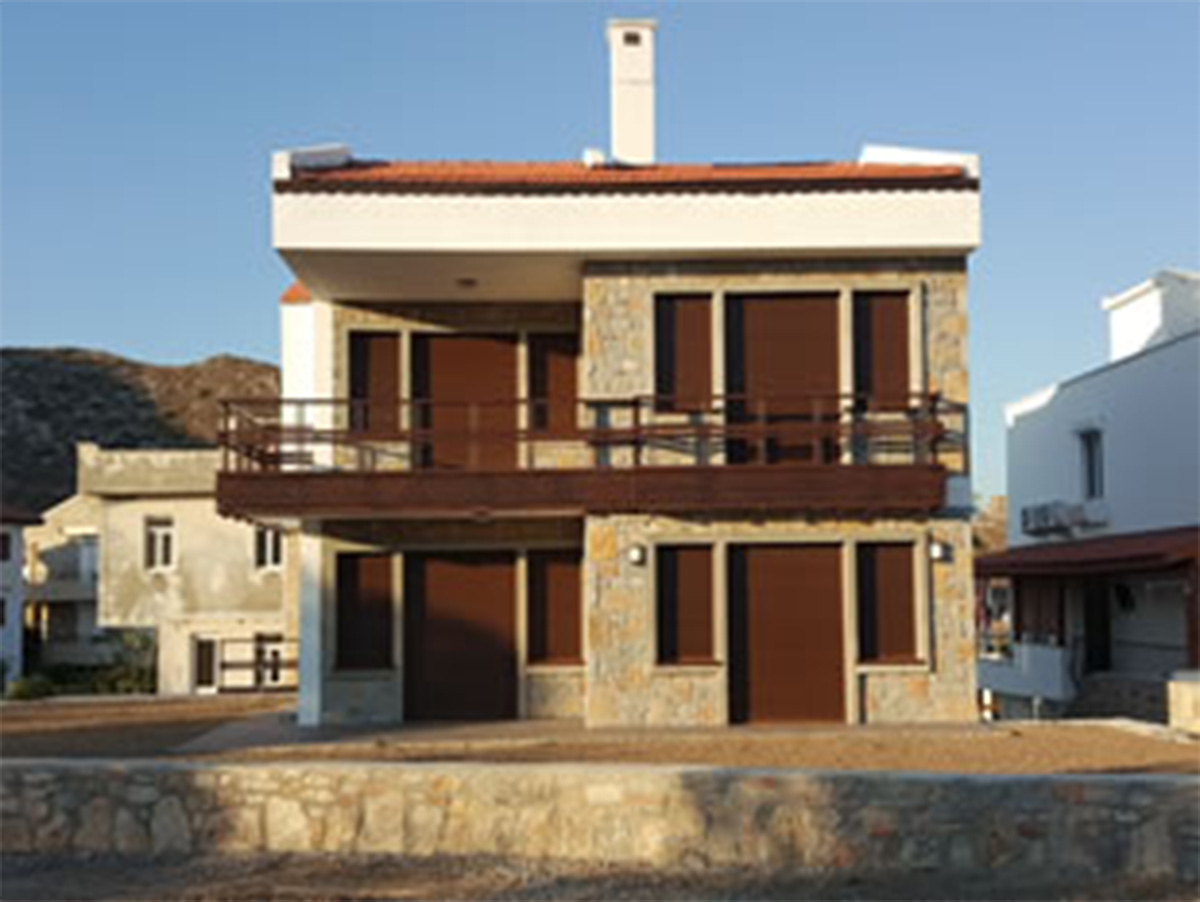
(460, 636)
(465, 393)
(785, 633)
(781, 371)
(374, 382)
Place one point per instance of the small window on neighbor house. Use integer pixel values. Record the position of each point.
(887, 630)
(1091, 443)
(160, 543)
(685, 604)
(268, 547)
(3, 612)
(5, 547)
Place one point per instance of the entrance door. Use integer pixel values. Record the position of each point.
(1097, 626)
(781, 371)
(786, 635)
(465, 398)
(204, 665)
(374, 382)
(460, 624)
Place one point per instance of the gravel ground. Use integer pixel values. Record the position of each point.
(313, 878)
(100, 727)
(999, 749)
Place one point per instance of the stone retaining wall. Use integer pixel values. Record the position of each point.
(620, 814)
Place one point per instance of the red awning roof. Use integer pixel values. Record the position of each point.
(513, 177)
(296, 293)
(1111, 554)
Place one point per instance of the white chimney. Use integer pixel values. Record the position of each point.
(631, 55)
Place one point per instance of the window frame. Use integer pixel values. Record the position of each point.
(715, 654)
(919, 653)
(268, 548)
(159, 533)
(1091, 463)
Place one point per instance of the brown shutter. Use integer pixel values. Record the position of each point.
(881, 362)
(554, 607)
(685, 604)
(465, 393)
(364, 611)
(683, 352)
(886, 608)
(375, 382)
(553, 383)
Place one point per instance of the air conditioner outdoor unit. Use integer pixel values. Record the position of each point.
(1049, 518)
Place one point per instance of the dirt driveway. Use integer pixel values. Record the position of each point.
(311, 878)
(262, 728)
(116, 727)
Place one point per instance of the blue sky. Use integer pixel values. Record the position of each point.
(134, 143)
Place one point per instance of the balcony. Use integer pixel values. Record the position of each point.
(840, 455)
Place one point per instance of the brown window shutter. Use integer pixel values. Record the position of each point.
(553, 383)
(886, 605)
(881, 363)
(555, 607)
(683, 352)
(685, 604)
(375, 382)
(364, 611)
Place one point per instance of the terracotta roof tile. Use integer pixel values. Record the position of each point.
(1107, 554)
(297, 293)
(487, 176)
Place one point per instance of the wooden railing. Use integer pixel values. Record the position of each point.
(300, 435)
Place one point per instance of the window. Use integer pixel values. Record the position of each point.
(553, 380)
(886, 609)
(881, 349)
(3, 612)
(268, 547)
(1091, 443)
(160, 543)
(364, 611)
(5, 546)
(554, 607)
(683, 352)
(685, 604)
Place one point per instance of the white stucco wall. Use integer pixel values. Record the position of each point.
(1148, 409)
(1159, 309)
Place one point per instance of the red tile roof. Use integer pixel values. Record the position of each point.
(1109, 554)
(503, 177)
(297, 293)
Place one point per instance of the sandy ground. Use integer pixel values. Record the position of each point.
(312, 878)
(261, 728)
(113, 727)
(1009, 749)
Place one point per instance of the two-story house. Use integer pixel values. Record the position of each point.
(140, 548)
(621, 440)
(1104, 520)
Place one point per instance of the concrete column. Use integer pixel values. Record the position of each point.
(312, 632)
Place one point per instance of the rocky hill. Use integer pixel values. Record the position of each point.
(51, 398)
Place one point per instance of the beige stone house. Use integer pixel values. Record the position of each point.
(141, 546)
(620, 440)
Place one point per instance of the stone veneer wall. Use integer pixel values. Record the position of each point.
(668, 816)
(626, 686)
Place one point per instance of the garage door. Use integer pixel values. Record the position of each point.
(460, 636)
(785, 633)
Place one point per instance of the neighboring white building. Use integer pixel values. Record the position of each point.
(1104, 516)
(12, 589)
(141, 546)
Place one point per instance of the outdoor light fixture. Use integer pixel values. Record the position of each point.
(637, 555)
(941, 551)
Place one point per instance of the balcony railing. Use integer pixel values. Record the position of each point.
(324, 435)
